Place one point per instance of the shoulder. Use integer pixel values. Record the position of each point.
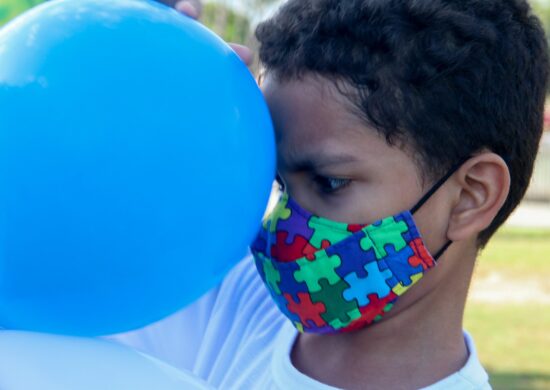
(243, 299)
(240, 334)
(226, 337)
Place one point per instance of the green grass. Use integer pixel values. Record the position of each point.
(513, 340)
(513, 343)
(523, 250)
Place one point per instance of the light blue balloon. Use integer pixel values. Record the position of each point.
(136, 160)
(34, 361)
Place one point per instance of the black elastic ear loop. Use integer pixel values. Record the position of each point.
(429, 194)
(438, 185)
(442, 250)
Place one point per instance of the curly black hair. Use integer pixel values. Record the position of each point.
(448, 77)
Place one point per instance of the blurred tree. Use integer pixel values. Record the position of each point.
(235, 20)
(259, 4)
(11, 8)
(231, 25)
(542, 9)
(225, 17)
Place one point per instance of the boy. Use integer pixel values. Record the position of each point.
(425, 114)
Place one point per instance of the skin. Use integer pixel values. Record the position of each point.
(338, 167)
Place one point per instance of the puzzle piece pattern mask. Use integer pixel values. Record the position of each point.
(332, 277)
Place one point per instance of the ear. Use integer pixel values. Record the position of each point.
(482, 184)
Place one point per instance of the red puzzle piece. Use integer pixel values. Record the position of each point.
(309, 250)
(354, 228)
(371, 311)
(298, 249)
(306, 309)
(282, 251)
(421, 255)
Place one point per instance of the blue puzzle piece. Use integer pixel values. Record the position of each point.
(374, 283)
(398, 263)
(353, 257)
(408, 236)
(288, 283)
(392, 281)
(282, 304)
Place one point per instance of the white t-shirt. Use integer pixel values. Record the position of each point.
(235, 337)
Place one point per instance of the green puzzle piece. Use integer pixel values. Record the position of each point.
(324, 234)
(388, 232)
(272, 275)
(323, 267)
(337, 308)
(353, 315)
(280, 212)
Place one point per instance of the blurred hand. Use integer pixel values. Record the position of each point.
(193, 9)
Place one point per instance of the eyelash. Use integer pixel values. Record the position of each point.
(334, 184)
(330, 185)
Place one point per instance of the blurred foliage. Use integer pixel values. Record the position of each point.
(232, 19)
(231, 25)
(236, 23)
(542, 10)
(235, 12)
(11, 8)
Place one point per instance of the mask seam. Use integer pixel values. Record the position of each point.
(379, 257)
(420, 254)
(378, 254)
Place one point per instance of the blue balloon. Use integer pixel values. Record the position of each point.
(136, 160)
(34, 361)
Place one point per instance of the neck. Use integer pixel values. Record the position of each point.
(418, 343)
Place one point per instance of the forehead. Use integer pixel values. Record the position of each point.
(307, 103)
(314, 120)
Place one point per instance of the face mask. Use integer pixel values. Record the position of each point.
(332, 277)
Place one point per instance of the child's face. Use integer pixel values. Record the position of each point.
(330, 162)
(336, 167)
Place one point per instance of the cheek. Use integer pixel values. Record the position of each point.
(363, 202)
(432, 221)
(396, 190)
(366, 203)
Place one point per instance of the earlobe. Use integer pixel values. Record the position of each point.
(482, 185)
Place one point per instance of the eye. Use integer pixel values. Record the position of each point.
(330, 185)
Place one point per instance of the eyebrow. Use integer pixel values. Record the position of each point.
(314, 162)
